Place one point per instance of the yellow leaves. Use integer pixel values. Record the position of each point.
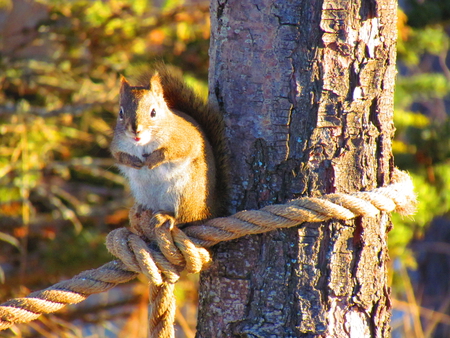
(206, 30)
(98, 13)
(6, 4)
(170, 5)
(113, 25)
(400, 147)
(403, 29)
(113, 16)
(139, 46)
(403, 118)
(201, 88)
(34, 140)
(74, 133)
(139, 6)
(92, 92)
(192, 24)
(184, 31)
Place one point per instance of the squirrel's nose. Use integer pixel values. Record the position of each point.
(137, 131)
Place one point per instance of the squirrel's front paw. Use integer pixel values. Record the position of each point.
(154, 159)
(129, 160)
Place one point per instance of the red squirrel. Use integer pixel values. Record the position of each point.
(170, 146)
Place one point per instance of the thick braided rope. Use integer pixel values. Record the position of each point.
(161, 311)
(399, 197)
(162, 252)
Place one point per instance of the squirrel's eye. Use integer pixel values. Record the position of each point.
(121, 113)
(153, 113)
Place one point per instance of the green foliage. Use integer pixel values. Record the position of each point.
(422, 143)
(421, 87)
(422, 13)
(415, 42)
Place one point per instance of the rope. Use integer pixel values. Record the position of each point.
(156, 247)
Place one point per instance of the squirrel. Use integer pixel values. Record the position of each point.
(170, 145)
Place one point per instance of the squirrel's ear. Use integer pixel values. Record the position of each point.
(124, 84)
(155, 85)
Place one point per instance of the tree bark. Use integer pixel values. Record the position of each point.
(307, 89)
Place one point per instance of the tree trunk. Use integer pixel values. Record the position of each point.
(307, 89)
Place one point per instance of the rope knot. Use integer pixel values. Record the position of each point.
(156, 247)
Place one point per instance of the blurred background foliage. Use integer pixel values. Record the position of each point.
(420, 245)
(60, 195)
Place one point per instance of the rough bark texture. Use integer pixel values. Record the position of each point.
(307, 87)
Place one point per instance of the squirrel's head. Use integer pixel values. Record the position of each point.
(142, 110)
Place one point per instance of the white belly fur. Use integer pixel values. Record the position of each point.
(158, 189)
